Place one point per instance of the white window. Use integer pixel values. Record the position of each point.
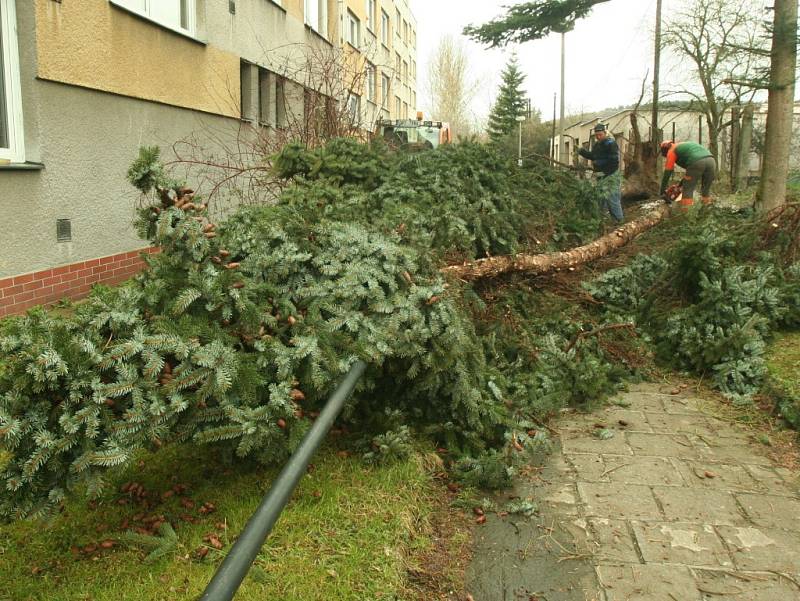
(353, 30)
(10, 97)
(385, 31)
(174, 14)
(398, 107)
(371, 15)
(354, 107)
(397, 21)
(386, 88)
(371, 86)
(316, 15)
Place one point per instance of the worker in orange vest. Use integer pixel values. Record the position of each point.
(699, 164)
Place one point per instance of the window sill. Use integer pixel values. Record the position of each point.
(138, 15)
(317, 34)
(26, 166)
(274, 3)
(353, 47)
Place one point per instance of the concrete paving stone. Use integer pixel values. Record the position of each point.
(642, 470)
(719, 476)
(580, 423)
(560, 497)
(619, 501)
(698, 505)
(590, 468)
(729, 585)
(770, 480)
(726, 429)
(680, 405)
(625, 420)
(763, 549)
(524, 557)
(648, 583)
(725, 450)
(586, 442)
(646, 387)
(643, 401)
(683, 424)
(612, 541)
(791, 478)
(772, 511)
(536, 578)
(661, 445)
(556, 469)
(688, 544)
(500, 537)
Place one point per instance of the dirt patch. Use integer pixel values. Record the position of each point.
(438, 573)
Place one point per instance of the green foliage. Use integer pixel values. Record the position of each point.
(531, 21)
(510, 104)
(711, 304)
(237, 333)
(626, 289)
(783, 363)
(156, 546)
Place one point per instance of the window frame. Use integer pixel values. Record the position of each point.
(321, 26)
(353, 20)
(371, 82)
(354, 107)
(12, 104)
(148, 14)
(372, 15)
(386, 29)
(386, 90)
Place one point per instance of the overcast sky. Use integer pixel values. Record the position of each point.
(608, 55)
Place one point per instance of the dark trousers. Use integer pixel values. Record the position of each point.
(703, 170)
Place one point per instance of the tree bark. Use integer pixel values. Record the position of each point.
(743, 148)
(780, 107)
(734, 149)
(549, 262)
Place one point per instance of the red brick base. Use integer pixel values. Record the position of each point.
(21, 292)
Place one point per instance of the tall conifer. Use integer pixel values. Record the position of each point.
(510, 104)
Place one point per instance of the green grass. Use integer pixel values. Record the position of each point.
(783, 381)
(351, 531)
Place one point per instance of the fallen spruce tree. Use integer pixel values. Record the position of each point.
(237, 332)
(710, 302)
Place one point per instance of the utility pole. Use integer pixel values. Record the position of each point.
(654, 131)
(561, 149)
(553, 137)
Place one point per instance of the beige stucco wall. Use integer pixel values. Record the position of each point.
(87, 141)
(94, 44)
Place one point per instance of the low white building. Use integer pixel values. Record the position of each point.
(675, 124)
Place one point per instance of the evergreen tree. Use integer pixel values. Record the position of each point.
(511, 102)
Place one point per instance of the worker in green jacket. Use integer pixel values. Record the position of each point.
(699, 164)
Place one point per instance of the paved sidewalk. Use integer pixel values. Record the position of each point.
(676, 506)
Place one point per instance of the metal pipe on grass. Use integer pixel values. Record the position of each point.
(234, 568)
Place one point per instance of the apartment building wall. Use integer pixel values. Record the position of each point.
(97, 81)
(387, 46)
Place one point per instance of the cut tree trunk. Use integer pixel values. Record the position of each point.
(549, 262)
